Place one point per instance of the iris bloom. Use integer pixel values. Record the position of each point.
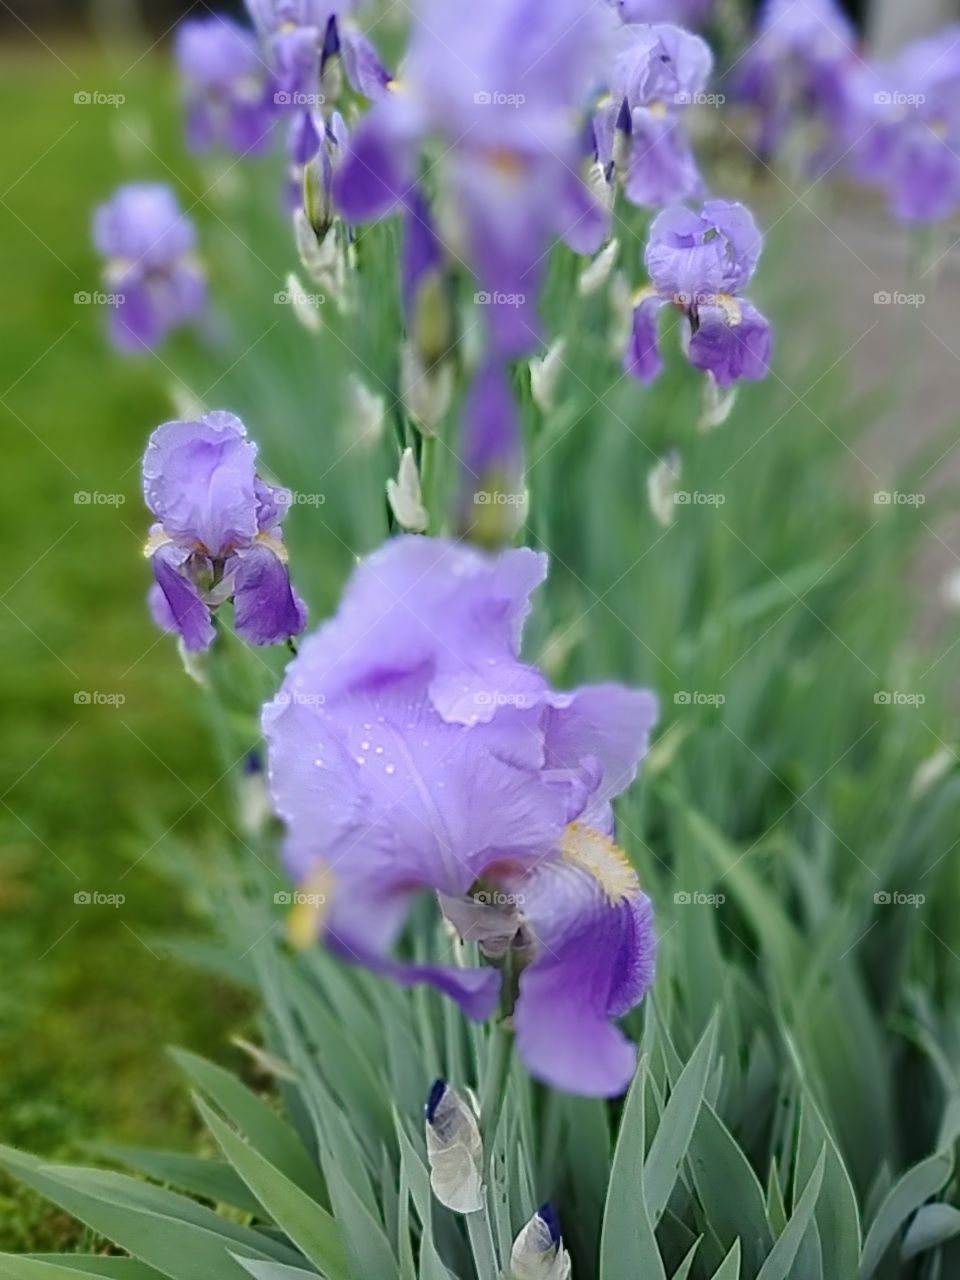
(905, 120)
(689, 13)
(700, 262)
(151, 265)
(217, 535)
(496, 87)
(656, 73)
(411, 750)
(224, 84)
(797, 65)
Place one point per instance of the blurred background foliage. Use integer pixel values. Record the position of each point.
(796, 600)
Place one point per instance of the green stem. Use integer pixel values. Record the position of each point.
(481, 1244)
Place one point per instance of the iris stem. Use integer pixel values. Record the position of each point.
(481, 1244)
(495, 1074)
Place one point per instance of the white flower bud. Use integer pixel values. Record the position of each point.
(538, 1252)
(303, 306)
(621, 306)
(426, 393)
(596, 274)
(545, 373)
(366, 414)
(405, 498)
(662, 483)
(717, 405)
(454, 1150)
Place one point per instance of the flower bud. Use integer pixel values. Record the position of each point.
(662, 482)
(366, 414)
(545, 373)
(596, 274)
(405, 498)
(538, 1252)
(426, 392)
(454, 1150)
(717, 404)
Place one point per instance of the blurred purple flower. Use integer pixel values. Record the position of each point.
(499, 86)
(700, 262)
(493, 499)
(224, 85)
(151, 266)
(904, 127)
(656, 73)
(411, 750)
(687, 13)
(797, 66)
(217, 535)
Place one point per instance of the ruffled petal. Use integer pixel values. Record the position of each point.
(267, 610)
(377, 170)
(732, 346)
(594, 962)
(184, 608)
(642, 358)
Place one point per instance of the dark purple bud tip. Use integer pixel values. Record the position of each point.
(437, 1090)
(253, 763)
(548, 1215)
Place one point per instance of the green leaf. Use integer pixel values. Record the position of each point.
(932, 1226)
(628, 1246)
(781, 1257)
(210, 1179)
(68, 1266)
(906, 1195)
(273, 1270)
(683, 1270)
(729, 1268)
(305, 1221)
(274, 1140)
(672, 1138)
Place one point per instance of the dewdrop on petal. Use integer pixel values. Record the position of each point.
(405, 497)
(545, 373)
(538, 1252)
(454, 1150)
(662, 483)
(717, 404)
(596, 274)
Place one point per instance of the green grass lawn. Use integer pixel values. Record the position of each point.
(86, 1000)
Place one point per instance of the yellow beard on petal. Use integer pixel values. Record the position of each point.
(595, 853)
(311, 910)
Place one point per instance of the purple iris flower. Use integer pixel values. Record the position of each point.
(224, 84)
(797, 66)
(151, 266)
(905, 122)
(657, 71)
(411, 750)
(217, 535)
(688, 13)
(497, 86)
(700, 262)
